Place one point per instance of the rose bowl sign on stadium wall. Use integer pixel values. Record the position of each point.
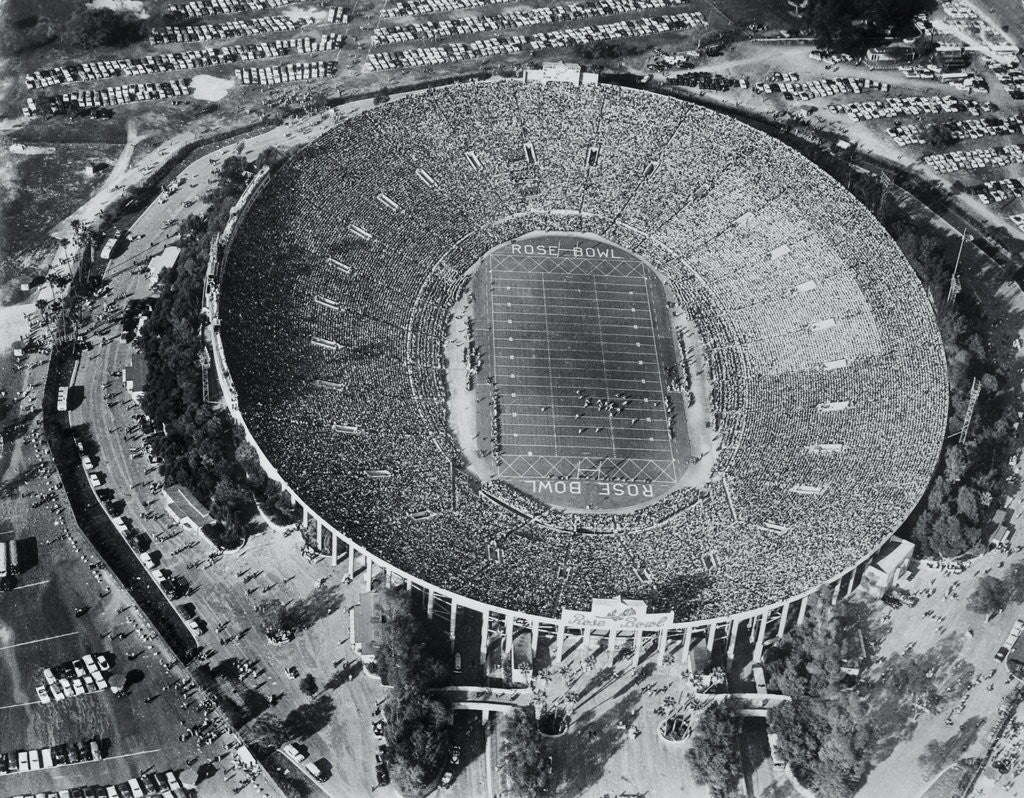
(617, 613)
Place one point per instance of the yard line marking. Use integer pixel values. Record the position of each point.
(39, 640)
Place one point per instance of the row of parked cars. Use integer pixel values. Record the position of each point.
(87, 674)
(164, 785)
(301, 758)
(51, 756)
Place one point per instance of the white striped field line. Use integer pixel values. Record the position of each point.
(88, 761)
(38, 640)
(33, 584)
(25, 704)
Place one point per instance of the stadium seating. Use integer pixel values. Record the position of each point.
(800, 298)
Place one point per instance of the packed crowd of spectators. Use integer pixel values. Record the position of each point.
(459, 26)
(86, 99)
(185, 59)
(450, 53)
(800, 299)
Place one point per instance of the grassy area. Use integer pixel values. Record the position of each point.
(38, 190)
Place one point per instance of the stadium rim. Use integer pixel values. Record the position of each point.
(729, 624)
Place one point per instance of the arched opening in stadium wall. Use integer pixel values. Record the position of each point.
(575, 377)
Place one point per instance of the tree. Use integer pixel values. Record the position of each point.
(990, 597)
(87, 28)
(409, 654)
(850, 25)
(28, 33)
(522, 755)
(307, 720)
(1014, 581)
(418, 733)
(200, 444)
(412, 658)
(274, 619)
(825, 733)
(308, 684)
(967, 503)
(938, 136)
(265, 734)
(714, 753)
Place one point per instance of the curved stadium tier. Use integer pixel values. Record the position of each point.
(538, 344)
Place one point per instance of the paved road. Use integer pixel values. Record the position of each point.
(271, 562)
(39, 627)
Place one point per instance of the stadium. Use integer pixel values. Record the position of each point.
(580, 358)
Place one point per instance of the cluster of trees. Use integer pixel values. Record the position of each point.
(84, 29)
(992, 594)
(87, 28)
(824, 732)
(837, 725)
(971, 479)
(412, 658)
(521, 755)
(938, 136)
(714, 753)
(851, 26)
(201, 447)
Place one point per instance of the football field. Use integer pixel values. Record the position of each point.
(582, 361)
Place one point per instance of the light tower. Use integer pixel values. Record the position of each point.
(204, 367)
(969, 414)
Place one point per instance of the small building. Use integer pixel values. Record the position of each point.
(1000, 530)
(185, 508)
(1015, 659)
(95, 167)
(162, 261)
(952, 60)
(19, 348)
(134, 377)
(889, 565)
(891, 53)
(853, 655)
(366, 624)
(560, 72)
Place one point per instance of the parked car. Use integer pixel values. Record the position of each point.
(291, 751)
(314, 770)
